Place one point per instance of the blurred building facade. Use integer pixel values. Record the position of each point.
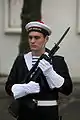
(59, 15)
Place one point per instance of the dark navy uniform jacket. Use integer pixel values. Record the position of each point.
(18, 73)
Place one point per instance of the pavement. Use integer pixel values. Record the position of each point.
(69, 106)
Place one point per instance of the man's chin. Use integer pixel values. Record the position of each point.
(33, 49)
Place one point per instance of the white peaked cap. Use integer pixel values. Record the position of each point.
(38, 26)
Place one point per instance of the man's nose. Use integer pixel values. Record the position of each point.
(33, 39)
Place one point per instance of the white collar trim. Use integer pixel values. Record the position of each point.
(28, 60)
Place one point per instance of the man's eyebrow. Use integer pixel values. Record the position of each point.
(34, 36)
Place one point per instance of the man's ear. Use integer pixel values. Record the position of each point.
(46, 38)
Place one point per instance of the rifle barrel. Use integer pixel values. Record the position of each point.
(63, 36)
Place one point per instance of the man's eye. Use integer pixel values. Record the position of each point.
(37, 37)
(30, 37)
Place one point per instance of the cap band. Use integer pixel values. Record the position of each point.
(38, 30)
(34, 28)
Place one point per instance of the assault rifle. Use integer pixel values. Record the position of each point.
(51, 53)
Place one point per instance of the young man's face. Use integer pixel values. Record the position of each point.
(37, 41)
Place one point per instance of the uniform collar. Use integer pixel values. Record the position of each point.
(28, 59)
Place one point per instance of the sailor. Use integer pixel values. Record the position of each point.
(55, 77)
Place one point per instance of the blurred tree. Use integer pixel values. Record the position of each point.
(31, 11)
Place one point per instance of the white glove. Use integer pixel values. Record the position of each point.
(20, 90)
(53, 79)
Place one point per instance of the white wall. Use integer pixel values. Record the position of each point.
(59, 15)
(8, 45)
